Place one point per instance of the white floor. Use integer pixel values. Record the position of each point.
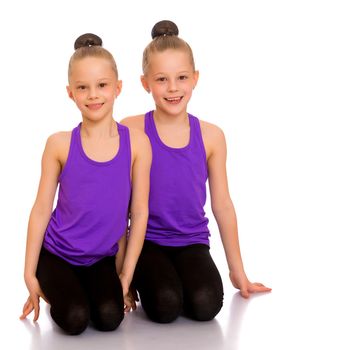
(279, 90)
(307, 309)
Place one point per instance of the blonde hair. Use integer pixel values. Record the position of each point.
(90, 45)
(164, 34)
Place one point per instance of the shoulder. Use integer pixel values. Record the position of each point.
(213, 138)
(60, 137)
(134, 122)
(211, 130)
(57, 144)
(137, 136)
(140, 143)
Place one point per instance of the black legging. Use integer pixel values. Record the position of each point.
(80, 293)
(171, 280)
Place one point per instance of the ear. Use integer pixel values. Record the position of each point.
(69, 91)
(118, 88)
(145, 83)
(195, 78)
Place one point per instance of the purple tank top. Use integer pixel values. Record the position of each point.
(178, 189)
(92, 207)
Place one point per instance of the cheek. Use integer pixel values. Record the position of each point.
(79, 95)
(111, 92)
(159, 89)
(189, 89)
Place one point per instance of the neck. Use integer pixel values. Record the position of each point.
(167, 119)
(98, 129)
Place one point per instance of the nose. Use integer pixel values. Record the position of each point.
(92, 93)
(172, 86)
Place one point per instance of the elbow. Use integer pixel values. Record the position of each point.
(222, 207)
(139, 215)
(41, 210)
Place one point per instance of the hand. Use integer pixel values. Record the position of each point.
(129, 302)
(29, 306)
(33, 300)
(128, 294)
(134, 294)
(246, 287)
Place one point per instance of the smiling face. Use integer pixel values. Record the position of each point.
(93, 86)
(170, 78)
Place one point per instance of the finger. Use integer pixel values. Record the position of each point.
(264, 289)
(127, 304)
(135, 295)
(27, 309)
(244, 293)
(25, 306)
(258, 284)
(260, 289)
(126, 308)
(36, 310)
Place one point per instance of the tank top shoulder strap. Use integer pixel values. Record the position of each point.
(124, 137)
(73, 150)
(149, 123)
(197, 138)
(124, 133)
(195, 128)
(75, 136)
(125, 143)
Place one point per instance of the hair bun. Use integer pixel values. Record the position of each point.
(87, 39)
(164, 28)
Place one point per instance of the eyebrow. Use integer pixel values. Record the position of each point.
(181, 72)
(84, 82)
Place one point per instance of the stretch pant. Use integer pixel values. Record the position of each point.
(172, 280)
(78, 294)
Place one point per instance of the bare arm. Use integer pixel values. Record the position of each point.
(224, 212)
(120, 256)
(136, 122)
(139, 205)
(38, 220)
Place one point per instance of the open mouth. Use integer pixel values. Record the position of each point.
(94, 106)
(173, 100)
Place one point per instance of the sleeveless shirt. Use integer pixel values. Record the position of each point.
(177, 189)
(91, 213)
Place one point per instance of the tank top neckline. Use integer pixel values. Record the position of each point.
(159, 140)
(95, 162)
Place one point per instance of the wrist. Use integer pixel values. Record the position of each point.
(124, 278)
(29, 276)
(237, 274)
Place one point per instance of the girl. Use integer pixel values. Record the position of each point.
(70, 254)
(175, 271)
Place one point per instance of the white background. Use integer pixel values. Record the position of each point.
(275, 76)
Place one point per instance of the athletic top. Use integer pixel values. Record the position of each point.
(177, 189)
(93, 203)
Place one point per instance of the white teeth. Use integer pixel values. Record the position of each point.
(173, 99)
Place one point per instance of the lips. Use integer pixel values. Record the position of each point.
(95, 106)
(173, 100)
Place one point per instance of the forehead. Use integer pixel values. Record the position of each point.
(170, 60)
(91, 66)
